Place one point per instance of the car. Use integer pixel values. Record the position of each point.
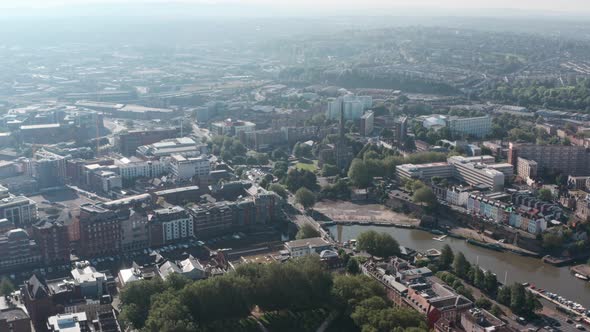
(580, 327)
(569, 321)
(521, 320)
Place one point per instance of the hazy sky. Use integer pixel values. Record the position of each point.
(573, 6)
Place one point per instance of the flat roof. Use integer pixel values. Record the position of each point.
(40, 126)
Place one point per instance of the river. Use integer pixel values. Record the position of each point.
(517, 268)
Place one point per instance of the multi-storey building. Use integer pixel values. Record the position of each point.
(14, 320)
(135, 232)
(351, 106)
(232, 127)
(185, 168)
(367, 123)
(424, 171)
(133, 167)
(169, 225)
(184, 146)
(476, 173)
(19, 210)
(49, 169)
(18, 250)
(527, 169)
(130, 141)
(570, 160)
(53, 241)
(476, 126)
(212, 219)
(100, 231)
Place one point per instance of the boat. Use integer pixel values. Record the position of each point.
(440, 238)
(491, 246)
(581, 276)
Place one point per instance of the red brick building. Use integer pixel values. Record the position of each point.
(100, 231)
(53, 241)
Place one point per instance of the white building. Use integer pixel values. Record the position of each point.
(477, 126)
(187, 168)
(231, 127)
(109, 180)
(353, 107)
(19, 210)
(76, 322)
(90, 281)
(304, 247)
(424, 171)
(184, 145)
(457, 196)
(476, 173)
(133, 167)
(176, 222)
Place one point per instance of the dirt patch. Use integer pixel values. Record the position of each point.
(348, 211)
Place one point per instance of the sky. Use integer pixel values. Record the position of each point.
(326, 6)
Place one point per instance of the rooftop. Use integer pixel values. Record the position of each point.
(312, 242)
(12, 314)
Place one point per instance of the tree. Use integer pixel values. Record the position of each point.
(545, 195)
(349, 290)
(496, 311)
(300, 178)
(358, 174)
(552, 241)
(478, 278)
(424, 195)
(504, 295)
(446, 257)
(305, 197)
(460, 265)
(490, 283)
(483, 303)
(517, 298)
(378, 244)
(6, 287)
(136, 301)
(279, 190)
(307, 231)
(352, 267)
(329, 170)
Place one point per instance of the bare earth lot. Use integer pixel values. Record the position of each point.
(348, 211)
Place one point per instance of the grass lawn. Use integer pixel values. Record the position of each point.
(308, 167)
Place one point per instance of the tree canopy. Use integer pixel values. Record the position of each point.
(307, 231)
(305, 197)
(378, 244)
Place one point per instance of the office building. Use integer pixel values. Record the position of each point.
(133, 167)
(474, 173)
(100, 231)
(424, 171)
(49, 169)
(183, 168)
(184, 146)
(230, 127)
(18, 250)
(367, 123)
(212, 219)
(170, 225)
(475, 126)
(130, 141)
(19, 210)
(53, 241)
(569, 160)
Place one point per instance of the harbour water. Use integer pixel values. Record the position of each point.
(517, 268)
